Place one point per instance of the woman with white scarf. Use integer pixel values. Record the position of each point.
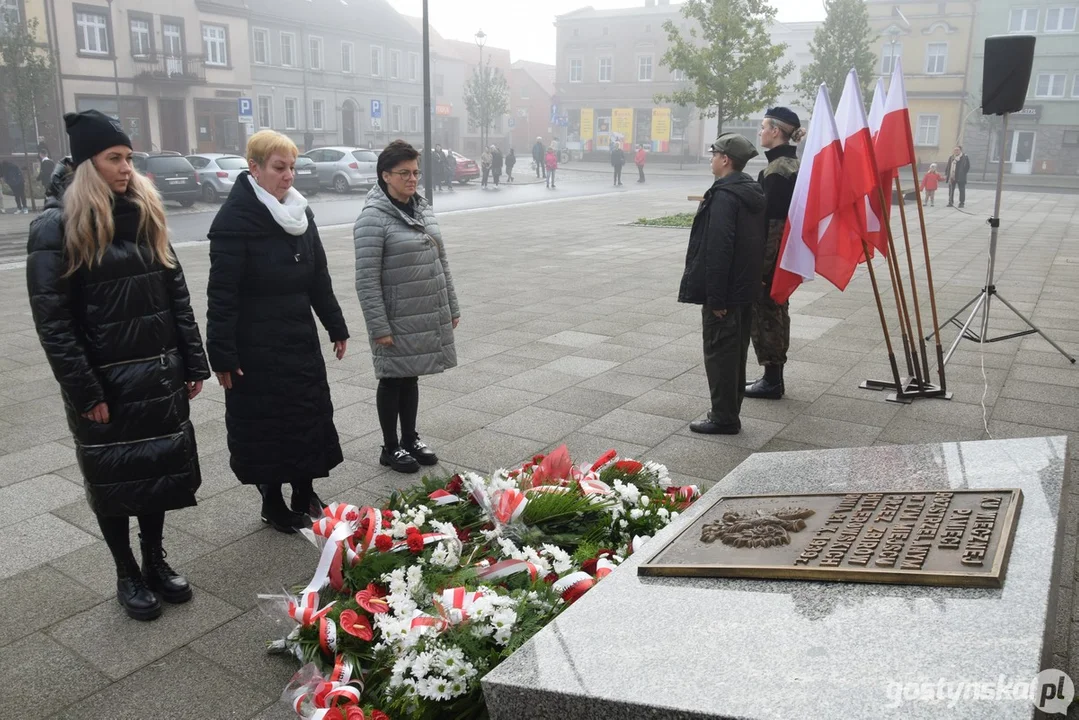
(268, 272)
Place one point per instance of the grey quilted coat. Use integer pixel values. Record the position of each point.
(405, 288)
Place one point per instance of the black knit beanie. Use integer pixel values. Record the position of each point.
(91, 132)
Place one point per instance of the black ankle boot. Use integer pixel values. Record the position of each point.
(277, 515)
(419, 450)
(159, 577)
(305, 501)
(399, 460)
(134, 595)
(769, 387)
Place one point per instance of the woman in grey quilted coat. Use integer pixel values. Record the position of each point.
(409, 304)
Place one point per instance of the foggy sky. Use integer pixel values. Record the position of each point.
(528, 32)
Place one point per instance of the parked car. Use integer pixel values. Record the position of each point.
(465, 169)
(172, 174)
(345, 168)
(217, 173)
(306, 180)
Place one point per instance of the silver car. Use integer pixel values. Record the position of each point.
(344, 168)
(217, 173)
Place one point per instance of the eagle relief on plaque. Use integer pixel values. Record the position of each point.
(944, 537)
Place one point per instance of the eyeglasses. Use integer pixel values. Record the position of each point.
(406, 174)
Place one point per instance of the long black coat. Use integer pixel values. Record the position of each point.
(263, 285)
(122, 333)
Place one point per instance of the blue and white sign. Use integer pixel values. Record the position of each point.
(247, 110)
(376, 108)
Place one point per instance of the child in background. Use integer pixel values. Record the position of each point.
(931, 182)
(551, 161)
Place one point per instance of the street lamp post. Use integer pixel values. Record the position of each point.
(115, 72)
(428, 116)
(481, 40)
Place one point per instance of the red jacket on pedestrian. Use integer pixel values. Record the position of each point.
(931, 181)
(551, 160)
(639, 157)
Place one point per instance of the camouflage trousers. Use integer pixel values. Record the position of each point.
(770, 330)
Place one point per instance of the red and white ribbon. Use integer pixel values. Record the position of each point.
(505, 568)
(603, 460)
(327, 635)
(321, 695)
(573, 586)
(441, 497)
(421, 621)
(305, 610)
(329, 533)
(509, 505)
(455, 604)
(684, 492)
(593, 486)
(428, 538)
(604, 567)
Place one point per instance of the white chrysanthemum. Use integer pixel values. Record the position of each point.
(662, 475)
(644, 501)
(627, 493)
(635, 514)
(561, 562)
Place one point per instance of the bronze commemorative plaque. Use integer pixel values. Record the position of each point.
(942, 537)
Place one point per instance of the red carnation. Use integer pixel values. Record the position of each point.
(589, 566)
(333, 714)
(550, 578)
(629, 467)
(463, 534)
(354, 713)
(455, 484)
(364, 525)
(356, 625)
(383, 543)
(411, 530)
(415, 543)
(379, 715)
(387, 516)
(537, 459)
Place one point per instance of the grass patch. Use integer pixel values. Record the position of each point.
(678, 220)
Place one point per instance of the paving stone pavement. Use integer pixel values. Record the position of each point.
(570, 333)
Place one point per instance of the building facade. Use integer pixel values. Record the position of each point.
(47, 125)
(530, 104)
(327, 72)
(472, 55)
(934, 42)
(1044, 137)
(172, 72)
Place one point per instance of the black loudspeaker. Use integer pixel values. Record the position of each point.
(1006, 73)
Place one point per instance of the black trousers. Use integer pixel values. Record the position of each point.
(118, 538)
(540, 168)
(726, 346)
(397, 400)
(640, 173)
(962, 193)
(19, 191)
(617, 174)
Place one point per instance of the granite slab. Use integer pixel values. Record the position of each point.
(681, 648)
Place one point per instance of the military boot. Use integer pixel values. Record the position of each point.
(769, 387)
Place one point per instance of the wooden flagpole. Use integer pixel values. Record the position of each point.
(932, 291)
(901, 300)
(910, 267)
(883, 322)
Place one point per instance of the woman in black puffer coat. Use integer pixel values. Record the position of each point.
(267, 272)
(114, 316)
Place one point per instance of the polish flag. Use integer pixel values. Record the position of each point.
(814, 203)
(860, 176)
(894, 143)
(875, 212)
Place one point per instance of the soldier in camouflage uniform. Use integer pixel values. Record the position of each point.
(771, 324)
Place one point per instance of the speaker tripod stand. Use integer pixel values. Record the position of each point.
(982, 300)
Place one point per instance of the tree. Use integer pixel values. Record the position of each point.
(838, 45)
(728, 58)
(25, 73)
(486, 98)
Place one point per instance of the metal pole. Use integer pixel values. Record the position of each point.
(428, 175)
(115, 72)
(994, 226)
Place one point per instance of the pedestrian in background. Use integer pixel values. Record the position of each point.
(931, 182)
(639, 160)
(450, 165)
(438, 167)
(956, 175)
(12, 175)
(268, 271)
(496, 163)
(723, 270)
(46, 165)
(771, 327)
(485, 165)
(538, 158)
(618, 159)
(511, 160)
(114, 317)
(409, 303)
(550, 162)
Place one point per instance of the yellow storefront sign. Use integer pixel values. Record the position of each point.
(661, 124)
(587, 124)
(622, 124)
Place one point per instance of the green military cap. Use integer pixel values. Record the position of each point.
(735, 146)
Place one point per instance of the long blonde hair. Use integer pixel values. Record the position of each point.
(88, 223)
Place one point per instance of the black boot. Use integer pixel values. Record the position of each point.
(769, 387)
(276, 514)
(134, 595)
(399, 460)
(305, 501)
(159, 577)
(419, 450)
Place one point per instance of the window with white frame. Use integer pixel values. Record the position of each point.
(1050, 85)
(576, 70)
(1023, 20)
(260, 44)
(140, 37)
(678, 75)
(291, 105)
(888, 55)
(9, 14)
(395, 118)
(376, 61)
(288, 49)
(318, 114)
(347, 51)
(172, 36)
(936, 58)
(928, 134)
(314, 46)
(265, 103)
(413, 67)
(606, 69)
(644, 68)
(215, 43)
(395, 64)
(414, 119)
(1060, 19)
(93, 35)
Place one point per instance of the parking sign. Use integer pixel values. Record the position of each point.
(246, 108)
(376, 108)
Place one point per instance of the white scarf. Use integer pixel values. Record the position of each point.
(291, 214)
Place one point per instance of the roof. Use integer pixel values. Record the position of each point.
(542, 73)
(590, 13)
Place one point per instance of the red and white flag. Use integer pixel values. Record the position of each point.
(876, 213)
(893, 143)
(814, 203)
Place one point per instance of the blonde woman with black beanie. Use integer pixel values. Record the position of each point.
(114, 317)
